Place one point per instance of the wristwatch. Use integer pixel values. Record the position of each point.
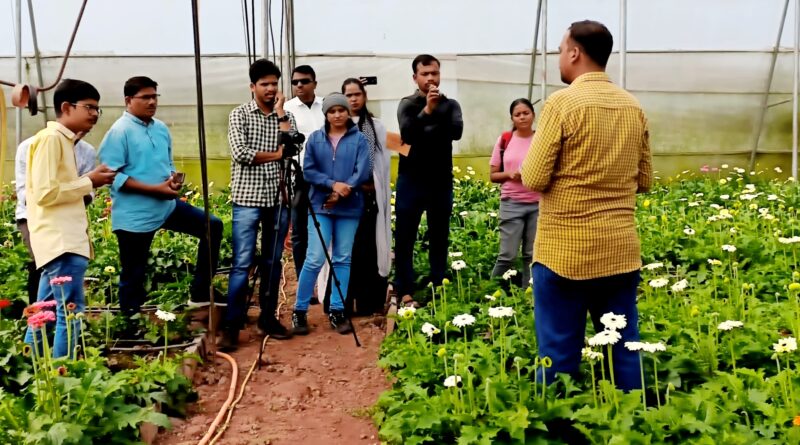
(284, 118)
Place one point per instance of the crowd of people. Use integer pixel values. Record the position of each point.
(585, 163)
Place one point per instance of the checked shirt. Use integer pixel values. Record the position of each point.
(589, 157)
(251, 131)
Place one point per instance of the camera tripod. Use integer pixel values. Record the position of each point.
(289, 168)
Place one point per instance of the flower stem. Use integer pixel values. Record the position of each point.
(641, 372)
(594, 386)
(611, 371)
(655, 377)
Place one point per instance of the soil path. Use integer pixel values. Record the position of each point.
(316, 389)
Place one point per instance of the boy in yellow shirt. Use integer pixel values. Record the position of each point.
(56, 214)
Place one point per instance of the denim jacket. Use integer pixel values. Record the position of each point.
(350, 164)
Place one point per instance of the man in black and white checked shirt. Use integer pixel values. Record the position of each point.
(253, 134)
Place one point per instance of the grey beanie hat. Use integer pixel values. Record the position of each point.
(332, 100)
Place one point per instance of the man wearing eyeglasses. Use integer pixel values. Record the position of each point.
(145, 196)
(307, 110)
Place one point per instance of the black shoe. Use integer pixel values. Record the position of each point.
(299, 323)
(229, 341)
(340, 323)
(276, 330)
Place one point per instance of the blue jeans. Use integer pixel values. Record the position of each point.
(413, 198)
(134, 252)
(560, 307)
(69, 265)
(343, 231)
(246, 221)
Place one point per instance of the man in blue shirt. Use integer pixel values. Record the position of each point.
(145, 195)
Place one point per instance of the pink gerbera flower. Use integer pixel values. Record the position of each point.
(38, 320)
(58, 281)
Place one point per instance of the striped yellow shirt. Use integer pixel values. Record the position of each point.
(589, 157)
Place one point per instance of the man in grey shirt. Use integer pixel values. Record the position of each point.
(85, 158)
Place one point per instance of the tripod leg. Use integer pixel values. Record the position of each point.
(336, 282)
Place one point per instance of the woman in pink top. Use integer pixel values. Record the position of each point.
(519, 207)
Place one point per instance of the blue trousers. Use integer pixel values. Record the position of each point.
(246, 222)
(70, 265)
(339, 232)
(560, 307)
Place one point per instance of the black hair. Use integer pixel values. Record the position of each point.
(425, 60)
(594, 38)
(263, 68)
(304, 69)
(514, 104)
(136, 84)
(364, 112)
(522, 101)
(71, 91)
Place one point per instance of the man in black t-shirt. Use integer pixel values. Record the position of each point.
(429, 123)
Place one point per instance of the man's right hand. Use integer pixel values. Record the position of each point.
(166, 189)
(432, 99)
(101, 175)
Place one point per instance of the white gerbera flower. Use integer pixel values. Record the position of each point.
(729, 325)
(455, 254)
(165, 316)
(653, 266)
(591, 355)
(493, 214)
(778, 170)
(452, 381)
(430, 330)
(658, 282)
(458, 265)
(680, 286)
(464, 213)
(772, 197)
(501, 312)
(689, 231)
(490, 297)
(463, 320)
(788, 344)
(605, 337)
(724, 197)
(729, 248)
(654, 347)
(509, 273)
(613, 321)
(406, 312)
(714, 262)
(634, 345)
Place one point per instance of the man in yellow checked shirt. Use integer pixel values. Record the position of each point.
(589, 158)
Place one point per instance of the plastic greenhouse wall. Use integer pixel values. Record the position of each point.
(700, 69)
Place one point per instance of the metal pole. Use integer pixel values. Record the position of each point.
(795, 85)
(292, 50)
(264, 29)
(623, 41)
(765, 99)
(534, 48)
(43, 102)
(201, 133)
(544, 50)
(18, 35)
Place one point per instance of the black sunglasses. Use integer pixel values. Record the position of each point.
(306, 81)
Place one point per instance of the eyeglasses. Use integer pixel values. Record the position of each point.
(89, 108)
(305, 81)
(146, 97)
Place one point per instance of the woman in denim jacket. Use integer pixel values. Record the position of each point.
(336, 164)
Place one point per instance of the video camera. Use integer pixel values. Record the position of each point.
(292, 143)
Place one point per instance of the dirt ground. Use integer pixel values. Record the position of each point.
(316, 389)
